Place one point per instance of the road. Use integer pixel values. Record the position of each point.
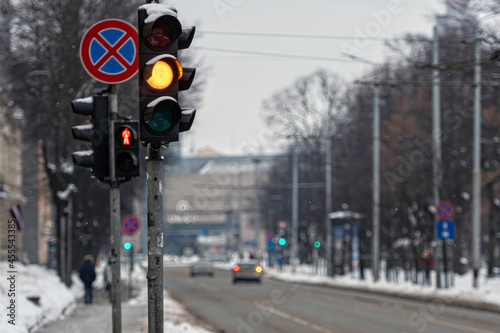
(275, 306)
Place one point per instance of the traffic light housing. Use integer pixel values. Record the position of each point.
(95, 132)
(161, 75)
(126, 154)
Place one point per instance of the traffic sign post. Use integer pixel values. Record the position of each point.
(445, 229)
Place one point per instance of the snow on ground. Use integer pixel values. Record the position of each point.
(55, 299)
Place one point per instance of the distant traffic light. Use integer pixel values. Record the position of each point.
(282, 242)
(161, 75)
(126, 148)
(95, 132)
(127, 246)
(317, 244)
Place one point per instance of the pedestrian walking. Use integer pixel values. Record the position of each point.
(87, 275)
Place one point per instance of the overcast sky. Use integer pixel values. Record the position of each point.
(230, 119)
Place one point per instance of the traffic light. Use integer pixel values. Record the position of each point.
(282, 241)
(126, 148)
(127, 246)
(161, 75)
(95, 132)
(317, 244)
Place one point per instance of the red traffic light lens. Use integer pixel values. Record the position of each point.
(161, 34)
(125, 136)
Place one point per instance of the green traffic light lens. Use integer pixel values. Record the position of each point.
(162, 115)
(161, 118)
(127, 246)
(317, 244)
(282, 241)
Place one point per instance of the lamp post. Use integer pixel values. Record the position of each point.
(376, 169)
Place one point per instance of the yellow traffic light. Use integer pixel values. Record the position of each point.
(162, 73)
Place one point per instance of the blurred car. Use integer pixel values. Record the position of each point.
(202, 267)
(247, 271)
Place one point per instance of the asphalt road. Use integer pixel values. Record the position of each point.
(275, 306)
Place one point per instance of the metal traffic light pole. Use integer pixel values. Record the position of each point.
(114, 201)
(155, 239)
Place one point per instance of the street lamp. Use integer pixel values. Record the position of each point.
(376, 169)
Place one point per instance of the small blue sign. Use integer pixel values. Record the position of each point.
(445, 230)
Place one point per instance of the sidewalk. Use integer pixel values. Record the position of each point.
(96, 317)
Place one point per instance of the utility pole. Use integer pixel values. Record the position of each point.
(328, 203)
(114, 200)
(155, 239)
(436, 158)
(376, 180)
(476, 169)
(295, 204)
(257, 203)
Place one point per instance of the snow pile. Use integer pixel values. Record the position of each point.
(44, 287)
(176, 318)
(487, 296)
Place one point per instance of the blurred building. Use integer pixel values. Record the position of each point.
(11, 198)
(210, 204)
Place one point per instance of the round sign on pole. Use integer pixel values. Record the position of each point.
(130, 225)
(445, 210)
(109, 51)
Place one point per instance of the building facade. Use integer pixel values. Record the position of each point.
(11, 198)
(210, 205)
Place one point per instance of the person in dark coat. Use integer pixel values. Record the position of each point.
(87, 275)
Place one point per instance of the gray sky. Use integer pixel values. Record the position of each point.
(230, 120)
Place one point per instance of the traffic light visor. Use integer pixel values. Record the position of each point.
(162, 114)
(162, 71)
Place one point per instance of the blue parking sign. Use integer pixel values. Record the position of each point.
(445, 230)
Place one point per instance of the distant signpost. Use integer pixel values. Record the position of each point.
(130, 225)
(445, 210)
(445, 230)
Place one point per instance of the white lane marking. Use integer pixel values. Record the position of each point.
(295, 319)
